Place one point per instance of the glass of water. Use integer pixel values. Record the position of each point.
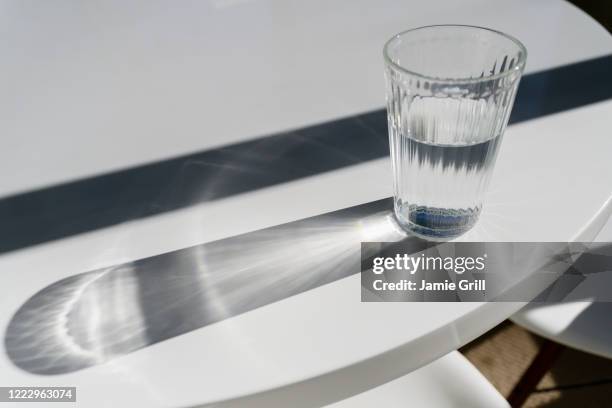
(450, 90)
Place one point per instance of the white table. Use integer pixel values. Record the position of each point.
(91, 89)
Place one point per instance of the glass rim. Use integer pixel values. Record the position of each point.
(520, 64)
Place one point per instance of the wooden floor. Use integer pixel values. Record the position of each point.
(576, 380)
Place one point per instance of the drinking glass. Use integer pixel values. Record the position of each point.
(450, 90)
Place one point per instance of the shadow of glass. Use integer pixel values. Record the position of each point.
(94, 317)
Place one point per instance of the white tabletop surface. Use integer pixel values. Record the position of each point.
(92, 88)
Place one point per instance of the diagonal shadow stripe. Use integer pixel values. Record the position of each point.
(85, 205)
(150, 300)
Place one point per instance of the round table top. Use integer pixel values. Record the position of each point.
(107, 100)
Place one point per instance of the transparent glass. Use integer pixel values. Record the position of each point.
(450, 90)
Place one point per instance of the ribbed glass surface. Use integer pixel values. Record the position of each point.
(445, 127)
